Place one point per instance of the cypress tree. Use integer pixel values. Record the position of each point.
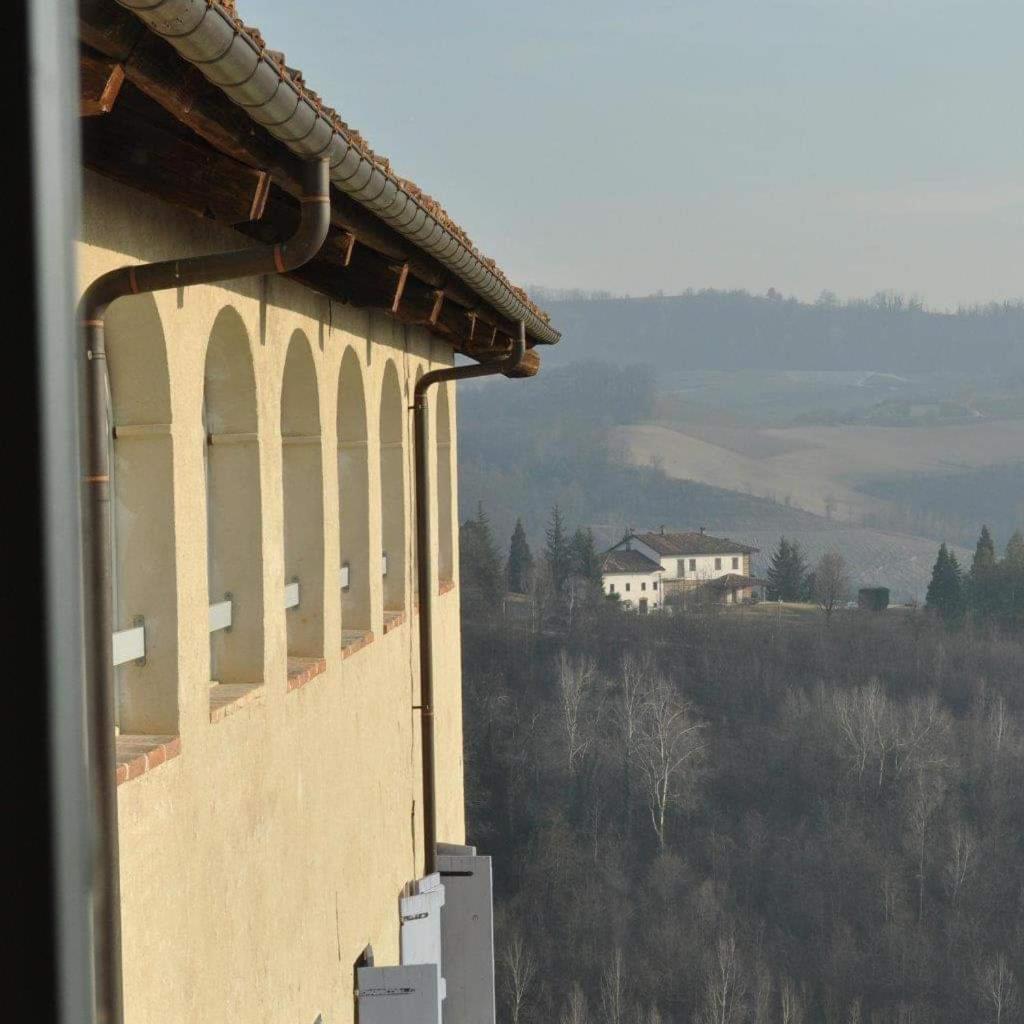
(479, 562)
(984, 588)
(984, 553)
(787, 573)
(585, 563)
(1015, 550)
(556, 552)
(520, 561)
(945, 591)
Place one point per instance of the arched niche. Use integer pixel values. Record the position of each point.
(392, 492)
(233, 503)
(353, 501)
(445, 478)
(142, 490)
(302, 495)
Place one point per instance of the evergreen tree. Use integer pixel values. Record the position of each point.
(480, 563)
(557, 552)
(984, 590)
(945, 591)
(787, 573)
(520, 561)
(984, 553)
(1015, 551)
(585, 563)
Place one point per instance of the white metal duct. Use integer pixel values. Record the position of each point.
(467, 935)
(421, 928)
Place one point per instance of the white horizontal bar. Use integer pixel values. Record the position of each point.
(220, 616)
(291, 595)
(129, 645)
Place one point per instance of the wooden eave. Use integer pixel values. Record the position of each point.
(155, 124)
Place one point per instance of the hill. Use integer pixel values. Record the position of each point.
(718, 330)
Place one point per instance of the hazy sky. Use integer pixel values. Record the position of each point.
(853, 145)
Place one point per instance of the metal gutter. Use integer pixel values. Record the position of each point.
(424, 561)
(206, 35)
(98, 579)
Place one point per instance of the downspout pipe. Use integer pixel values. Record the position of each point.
(97, 590)
(424, 566)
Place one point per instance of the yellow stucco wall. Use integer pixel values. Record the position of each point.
(257, 864)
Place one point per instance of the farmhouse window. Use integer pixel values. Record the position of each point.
(718, 563)
(735, 563)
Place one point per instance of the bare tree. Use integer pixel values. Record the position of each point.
(575, 1011)
(999, 991)
(892, 738)
(724, 984)
(763, 994)
(634, 683)
(923, 801)
(520, 972)
(792, 1003)
(613, 990)
(668, 742)
(963, 846)
(831, 582)
(575, 678)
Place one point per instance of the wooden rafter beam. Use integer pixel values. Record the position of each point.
(403, 277)
(99, 82)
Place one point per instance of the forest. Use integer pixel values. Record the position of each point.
(728, 816)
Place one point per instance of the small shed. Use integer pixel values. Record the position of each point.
(873, 599)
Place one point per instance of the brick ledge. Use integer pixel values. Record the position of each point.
(301, 670)
(392, 620)
(138, 754)
(353, 640)
(227, 698)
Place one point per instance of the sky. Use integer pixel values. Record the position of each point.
(847, 145)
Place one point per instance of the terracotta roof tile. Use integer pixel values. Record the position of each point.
(627, 561)
(692, 542)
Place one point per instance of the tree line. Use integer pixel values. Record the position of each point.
(991, 591)
(711, 818)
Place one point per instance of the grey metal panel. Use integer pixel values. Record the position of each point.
(220, 616)
(467, 938)
(398, 995)
(454, 849)
(421, 928)
(129, 645)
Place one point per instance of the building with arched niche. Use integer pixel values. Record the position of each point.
(264, 568)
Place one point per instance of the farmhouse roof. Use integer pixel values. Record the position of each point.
(254, 117)
(692, 542)
(627, 561)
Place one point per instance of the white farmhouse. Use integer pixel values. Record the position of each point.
(687, 562)
(633, 577)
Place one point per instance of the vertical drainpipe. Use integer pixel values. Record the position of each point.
(98, 601)
(424, 563)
